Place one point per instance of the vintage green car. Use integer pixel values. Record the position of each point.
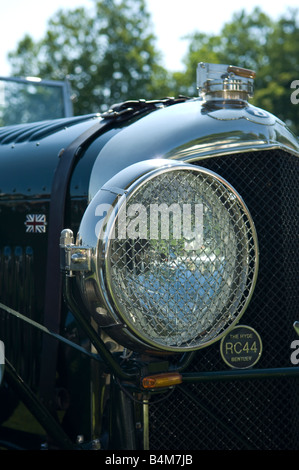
(149, 275)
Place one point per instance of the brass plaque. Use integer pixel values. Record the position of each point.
(241, 348)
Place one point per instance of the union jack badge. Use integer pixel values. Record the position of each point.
(35, 223)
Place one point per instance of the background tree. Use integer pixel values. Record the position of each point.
(257, 42)
(108, 54)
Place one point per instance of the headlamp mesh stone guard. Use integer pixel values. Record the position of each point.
(187, 268)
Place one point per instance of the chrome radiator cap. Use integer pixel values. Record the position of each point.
(224, 82)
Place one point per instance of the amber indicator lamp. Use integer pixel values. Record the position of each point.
(161, 380)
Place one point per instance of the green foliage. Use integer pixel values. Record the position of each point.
(256, 42)
(108, 54)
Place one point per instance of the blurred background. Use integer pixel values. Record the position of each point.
(115, 50)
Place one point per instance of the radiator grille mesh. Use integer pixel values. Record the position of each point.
(257, 414)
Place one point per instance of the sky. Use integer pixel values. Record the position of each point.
(171, 19)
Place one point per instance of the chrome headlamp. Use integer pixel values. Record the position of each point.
(166, 256)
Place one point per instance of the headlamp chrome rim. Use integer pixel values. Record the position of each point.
(115, 305)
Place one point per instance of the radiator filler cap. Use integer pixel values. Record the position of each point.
(218, 82)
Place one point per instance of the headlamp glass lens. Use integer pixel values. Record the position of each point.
(181, 261)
